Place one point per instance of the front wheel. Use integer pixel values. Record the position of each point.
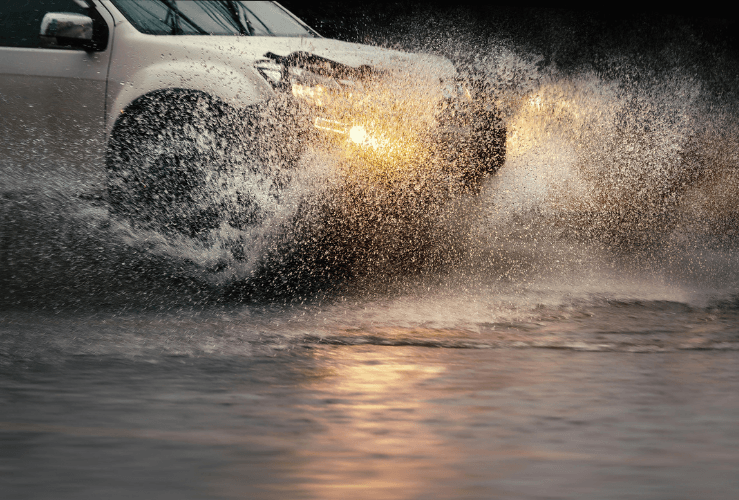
(179, 163)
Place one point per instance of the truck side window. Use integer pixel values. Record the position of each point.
(20, 20)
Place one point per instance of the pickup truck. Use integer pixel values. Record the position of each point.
(187, 113)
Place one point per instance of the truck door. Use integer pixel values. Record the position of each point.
(52, 98)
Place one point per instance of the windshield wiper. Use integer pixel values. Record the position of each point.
(244, 30)
(266, 28)
(179, 15)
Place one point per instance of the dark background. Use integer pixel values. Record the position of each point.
(586, 28)
(702, 42)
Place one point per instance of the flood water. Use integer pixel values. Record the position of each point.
(572, 331)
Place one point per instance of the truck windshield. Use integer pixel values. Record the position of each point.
(211, 17)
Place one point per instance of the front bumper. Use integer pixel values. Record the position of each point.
(388, 129)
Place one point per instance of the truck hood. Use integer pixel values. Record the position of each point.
(355, 55)
(424, 66)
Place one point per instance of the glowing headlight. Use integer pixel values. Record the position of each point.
(358, 134)
(310, 93)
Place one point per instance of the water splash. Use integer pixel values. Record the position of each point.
(620, 179)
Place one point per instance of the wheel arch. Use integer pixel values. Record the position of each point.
(235, 89)
(143, 104)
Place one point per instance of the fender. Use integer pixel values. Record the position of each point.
(217, 81)
(161, 64)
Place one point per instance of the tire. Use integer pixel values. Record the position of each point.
(171, 163)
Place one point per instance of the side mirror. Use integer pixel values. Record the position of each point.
(67, 30)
